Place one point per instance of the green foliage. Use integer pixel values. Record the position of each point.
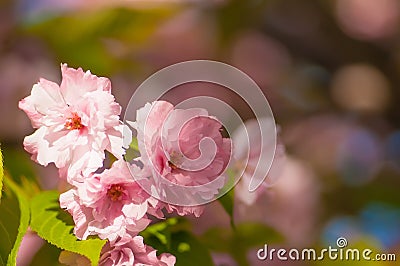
(103, 41)
(250, 13)
(173, 236)
(17, 163)
(133, 151)
(19, 167)
(56, 226)
(23, 204)
(47, 255)
(14, 221)
(189, 250)
(352, 200)
(227, 200)
(238, 241)
(9, 220)
(1, 173)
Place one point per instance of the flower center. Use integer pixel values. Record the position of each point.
(115, 192)
(173, 166)
(175, 159)
(73, 122)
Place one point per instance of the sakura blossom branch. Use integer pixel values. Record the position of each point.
(181, 157)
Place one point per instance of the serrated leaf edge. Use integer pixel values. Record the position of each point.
(38, 228)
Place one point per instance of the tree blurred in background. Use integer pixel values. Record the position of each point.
(330, 70)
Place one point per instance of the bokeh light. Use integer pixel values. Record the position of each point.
(368, 19)
(361, 88)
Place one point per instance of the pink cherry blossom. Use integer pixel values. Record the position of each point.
(109, 204)
(76, 122)
(184, 147)
(252, 132)
(128, 251)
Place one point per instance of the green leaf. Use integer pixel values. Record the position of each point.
(23, 204)
(227, 200)
(9, 221)
(47, 255)
(173, 237)
(134, 144)
(1, 173)
(14, 221)
(133, 150)
(54, 225)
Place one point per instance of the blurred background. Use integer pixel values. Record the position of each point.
(330, 70)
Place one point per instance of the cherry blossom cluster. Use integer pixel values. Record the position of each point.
(78, 121)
